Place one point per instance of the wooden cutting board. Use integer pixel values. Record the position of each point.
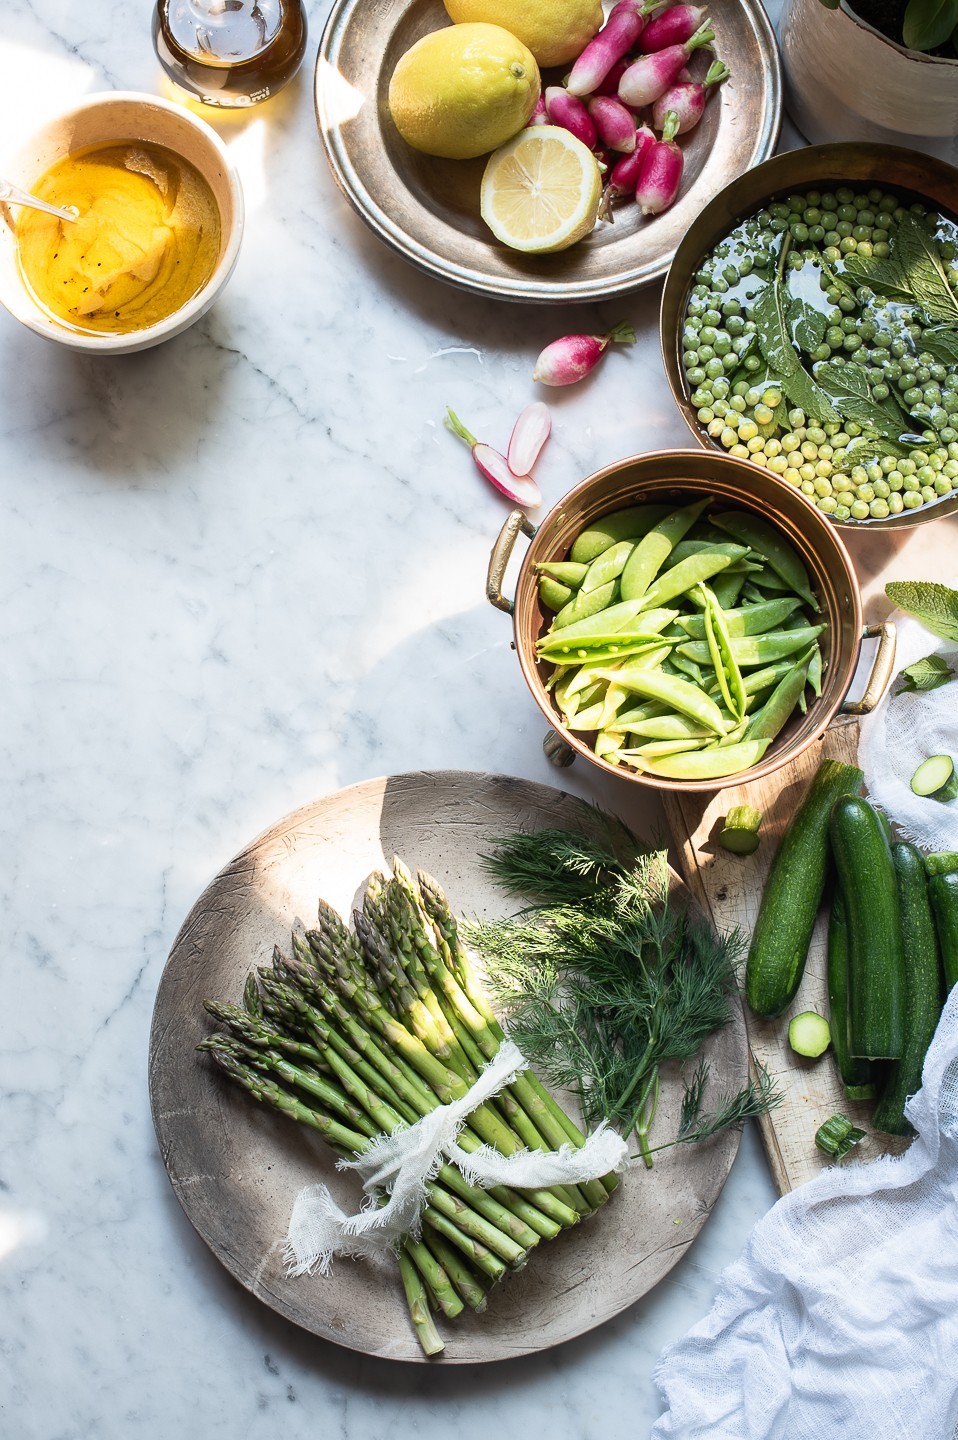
(731, 886)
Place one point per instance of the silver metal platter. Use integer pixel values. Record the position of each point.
(236, 1168)
(428, 209)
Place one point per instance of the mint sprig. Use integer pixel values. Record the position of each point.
(928, 674)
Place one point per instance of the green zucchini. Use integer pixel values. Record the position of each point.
(809, 1034)
(943, 893)
(936, 778)
(793, 893)
(858, 1076)
(942, 862)
(922, 989)
(876, 960)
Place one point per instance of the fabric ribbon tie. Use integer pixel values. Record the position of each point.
(399, 1167)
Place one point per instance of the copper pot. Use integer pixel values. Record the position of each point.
(679, 476)
(921, 177)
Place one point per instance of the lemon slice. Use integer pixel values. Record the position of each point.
(541, 191)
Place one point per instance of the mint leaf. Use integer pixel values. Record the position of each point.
(808, 324)
(774, 340)
(802, 391)
(881, 275)
(927, 674)
(942, 342)
(920, 263)
(936, 606)
(847, 388)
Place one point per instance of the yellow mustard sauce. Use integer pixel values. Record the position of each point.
(146, 239)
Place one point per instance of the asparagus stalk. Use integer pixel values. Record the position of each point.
(418, 1303)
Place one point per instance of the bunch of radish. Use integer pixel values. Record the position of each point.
(629, 95)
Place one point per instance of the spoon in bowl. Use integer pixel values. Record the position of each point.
(13, 195)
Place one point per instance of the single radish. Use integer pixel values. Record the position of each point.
(651, 75)
(495, 467)
(673, 27)
(615, 124)
(687, 100)
(610, 85)
(569, 112)
(625, 172)
(661, 173)
(570, 359)
(539, 116)
(529, 434)
(615, 39)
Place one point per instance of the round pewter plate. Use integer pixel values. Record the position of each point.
(237, 1167)
(427, 209)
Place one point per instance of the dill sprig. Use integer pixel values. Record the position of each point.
(605, 980)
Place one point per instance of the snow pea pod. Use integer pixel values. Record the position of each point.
(613, 617)
(766, 723)
(607, 566)
(815, 670)
(686, 698)
(565, 572)
(728, 586)
(670, 726)
(584, 606)
(553, 594)
(557, 649)
(650, 655)
(630, 524)
(766, 678)
(653, 550)
(682, 666)
(705, 764)
(686, 575)
(656, 748)
(757, 649)
(758, 535)
(724, 663)
(686, 548)
(646, 711)
(749, 620)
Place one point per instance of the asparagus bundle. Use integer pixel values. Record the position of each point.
(356, 1033)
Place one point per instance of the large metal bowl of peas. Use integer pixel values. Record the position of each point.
(809, 326)
(686, 620)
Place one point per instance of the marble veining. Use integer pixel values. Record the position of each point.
(237, 572)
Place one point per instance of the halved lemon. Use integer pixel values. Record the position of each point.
(541, 191)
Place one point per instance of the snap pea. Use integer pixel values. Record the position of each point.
(685, 576)
(734, 735)
(613, 617)
(670, 726)
(656, 748)
(686, 698)
(565, 572)
(728, 586)
(683, 666)
(615, 698)
(646, 711)
(722, 655)
(757, 649)
(553, 594)
(754, 532)
(766, 723)
(748, 620)
(558, 649)
(687, 548)
(815, 670)
(653, 549)
(581, 607)
(608, 747)
(767, 677)
(607, 566)
(590, 717)
(706, 764)
(768, 582)
(630, 524)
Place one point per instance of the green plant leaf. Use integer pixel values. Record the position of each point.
(882, 275)
(928, 23)
(774, 341)
(847, 387)
(920, 263)
(942, 342)
(936, 606)
(808, 324)
(927, 674)
(802, 391)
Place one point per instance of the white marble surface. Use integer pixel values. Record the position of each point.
(237, 572)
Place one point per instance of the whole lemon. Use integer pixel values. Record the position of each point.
(463, 91)
(556, 31)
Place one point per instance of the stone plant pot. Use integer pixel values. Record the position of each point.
(845, 81)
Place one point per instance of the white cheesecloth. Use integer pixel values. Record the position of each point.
(841, 1317)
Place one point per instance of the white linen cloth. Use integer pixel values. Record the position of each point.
(903, 731)
(398, 1166)
(841, 1317)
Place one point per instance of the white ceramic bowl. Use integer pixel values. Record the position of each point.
(101, 119)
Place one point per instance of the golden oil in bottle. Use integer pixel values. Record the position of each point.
(230, 53)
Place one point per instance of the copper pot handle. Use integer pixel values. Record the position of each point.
(883, 667)
(517, 522)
